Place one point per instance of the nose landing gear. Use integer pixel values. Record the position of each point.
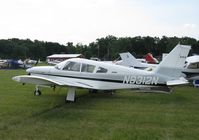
(37, 92)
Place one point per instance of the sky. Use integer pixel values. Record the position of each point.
(83, 21)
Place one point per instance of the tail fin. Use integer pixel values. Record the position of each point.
(129, 60)
(173, 63)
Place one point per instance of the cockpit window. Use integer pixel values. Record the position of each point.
(72, 66)
(101, 70)
(193, 66)
(87, 68)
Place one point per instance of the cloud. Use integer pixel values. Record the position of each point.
(189, 26)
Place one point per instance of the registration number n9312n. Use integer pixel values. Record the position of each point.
(147, 80)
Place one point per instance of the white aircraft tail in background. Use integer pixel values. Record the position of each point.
(130, 61)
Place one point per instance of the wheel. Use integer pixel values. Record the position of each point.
(112, 92)
(37, 93)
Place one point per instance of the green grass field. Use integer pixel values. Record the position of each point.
(126, 115)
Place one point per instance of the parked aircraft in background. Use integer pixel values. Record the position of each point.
(31, 62)
(150, 59)
(15, 64)
(11, 64)
(190, 69)
(130, 61)
(94, 75)
(3, 63)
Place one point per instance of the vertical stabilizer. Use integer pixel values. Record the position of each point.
(173, 63)
(150, 59)
(129, 60)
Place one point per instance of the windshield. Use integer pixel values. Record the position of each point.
(60, 65)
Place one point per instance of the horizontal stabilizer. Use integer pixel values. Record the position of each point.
(180, 81)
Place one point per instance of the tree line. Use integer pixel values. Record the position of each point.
(105, 48)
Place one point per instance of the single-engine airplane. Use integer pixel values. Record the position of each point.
(94, 75)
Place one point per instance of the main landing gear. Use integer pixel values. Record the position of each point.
(70, 97)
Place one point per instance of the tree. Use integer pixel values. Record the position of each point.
(106, 48)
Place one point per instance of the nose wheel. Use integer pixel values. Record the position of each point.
(37, 92)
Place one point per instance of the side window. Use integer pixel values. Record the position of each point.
(72, 66)
(101, 70)
(87, 68)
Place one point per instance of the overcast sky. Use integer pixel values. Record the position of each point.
(83, 21)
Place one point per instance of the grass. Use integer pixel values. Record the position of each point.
(122, 116)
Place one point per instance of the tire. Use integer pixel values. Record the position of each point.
(37, 93)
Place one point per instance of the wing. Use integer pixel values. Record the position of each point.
(37, 80)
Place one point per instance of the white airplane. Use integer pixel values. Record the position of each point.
(31, 62)
(82, 73)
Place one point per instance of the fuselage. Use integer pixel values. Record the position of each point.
(102, 75)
